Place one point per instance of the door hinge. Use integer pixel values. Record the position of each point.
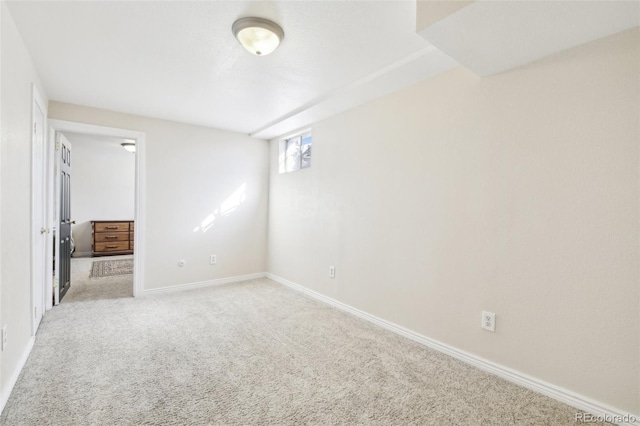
(35, 312)
(35, 127)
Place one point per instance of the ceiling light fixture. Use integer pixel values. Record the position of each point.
(258, 35)
(129, 146)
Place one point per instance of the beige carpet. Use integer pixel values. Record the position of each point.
(244, 354)
(86, 288)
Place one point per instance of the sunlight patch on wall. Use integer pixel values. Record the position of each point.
(227, 207)
(230, 204)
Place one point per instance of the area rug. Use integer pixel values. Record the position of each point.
(110, 268)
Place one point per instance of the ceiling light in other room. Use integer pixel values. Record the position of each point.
(129, 146)
(258, 35)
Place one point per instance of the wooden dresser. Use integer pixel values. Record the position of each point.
(110, 237)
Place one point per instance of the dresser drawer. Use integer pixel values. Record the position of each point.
(112, 236)
(114, 246)
(112, 227)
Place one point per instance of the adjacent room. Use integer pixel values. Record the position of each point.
(102, 199)
(292, 212)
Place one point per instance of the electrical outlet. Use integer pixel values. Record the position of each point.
(489, 321)
(4, 337)
(181, 263)
(332, 271)
(213, 259)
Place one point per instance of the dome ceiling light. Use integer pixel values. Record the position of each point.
(129, 145)
(258, 35)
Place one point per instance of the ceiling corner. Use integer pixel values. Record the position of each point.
(428, 12)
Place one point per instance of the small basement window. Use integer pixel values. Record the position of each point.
(295, 152)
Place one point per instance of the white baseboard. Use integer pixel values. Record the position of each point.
(81, 254)
(201, 284)
(8, 387)
(563, 395)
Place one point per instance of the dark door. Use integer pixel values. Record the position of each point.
(64, 245)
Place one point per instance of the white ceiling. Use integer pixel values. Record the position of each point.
(489, 37)
(178, 60)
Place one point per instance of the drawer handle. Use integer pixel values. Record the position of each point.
(111, 227)
(111, 236)
(112, 246)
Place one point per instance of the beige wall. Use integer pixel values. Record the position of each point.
(2, 397)
(18, 73)
(516, 194)
(190, 172)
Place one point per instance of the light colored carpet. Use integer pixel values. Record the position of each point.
(84, 288)
(252, 353)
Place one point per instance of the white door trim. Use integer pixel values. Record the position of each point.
(38, 218)
(139, 214)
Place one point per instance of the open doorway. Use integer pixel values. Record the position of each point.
(96, 183)
(94, 234)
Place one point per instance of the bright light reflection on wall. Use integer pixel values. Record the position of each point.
(227, 207)
(232, 203)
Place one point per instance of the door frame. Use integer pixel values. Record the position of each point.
(139, 212)
(39, 260)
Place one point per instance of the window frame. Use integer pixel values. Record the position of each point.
(284, 154)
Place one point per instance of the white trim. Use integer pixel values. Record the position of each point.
(51, 217)
(39, 218)
(563, 395)
(139, 215)
(8, 387)
(201, 284)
